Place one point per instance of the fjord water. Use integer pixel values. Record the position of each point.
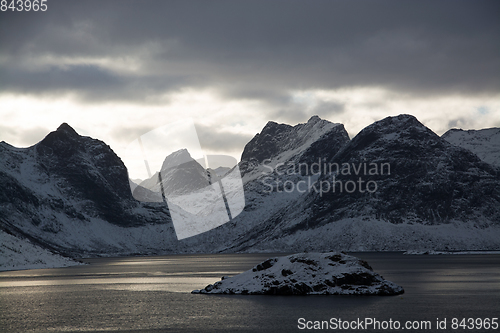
(152, 294)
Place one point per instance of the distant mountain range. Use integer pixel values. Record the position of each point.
(436, 195)
(484, 143)
(395, 186)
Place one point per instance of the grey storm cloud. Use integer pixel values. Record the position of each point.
(254, 49)
(219, 140)
(29, 135)
(130, 133)
(90, 82)
(328, 109)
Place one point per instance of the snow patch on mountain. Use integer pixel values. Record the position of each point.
(17, 253)
(370, 234)
(485, 143)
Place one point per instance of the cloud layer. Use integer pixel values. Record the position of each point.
(279, 60)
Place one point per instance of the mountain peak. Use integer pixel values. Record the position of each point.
(399, 129)
(399, 120)
(271, 123)
(400, 123)
(62, 138)
(314, 119)
(276, 139)
(65, 128)
(178, 157)
(273, 128)
(5, 144)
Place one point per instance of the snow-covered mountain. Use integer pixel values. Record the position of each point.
(266, 169)
(423, 193)
(72, 194)
(398, 186)
(179, 174)
(272, 159)
(282, 143)
(484, 143)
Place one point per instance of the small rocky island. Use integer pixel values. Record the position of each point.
(306, 274)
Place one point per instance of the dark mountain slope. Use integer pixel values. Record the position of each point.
(70, 184)
(420, 179)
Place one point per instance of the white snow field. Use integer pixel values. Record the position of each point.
(17, 253)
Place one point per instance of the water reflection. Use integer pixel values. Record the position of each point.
(144, 294)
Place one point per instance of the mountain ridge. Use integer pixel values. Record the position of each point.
(416, 192)
(72, 193)
(68, 184)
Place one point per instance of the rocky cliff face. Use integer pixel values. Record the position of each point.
(418, 177)
(268, 167)
(67, 184)
(396, 172)
(88, 171)
(300, 143)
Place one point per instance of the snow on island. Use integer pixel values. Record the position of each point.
(306, 274)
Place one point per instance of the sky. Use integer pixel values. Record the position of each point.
(117, 69)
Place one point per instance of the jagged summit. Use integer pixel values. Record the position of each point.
(404, 117)
(314, 119)
(178, 157)
(419, 183)
(65, 128)
(491, 130)
(180, 174)
(276, 139)
(5, 144)
(62, 139)
(274, 128)
(91, 170)
(67, 185)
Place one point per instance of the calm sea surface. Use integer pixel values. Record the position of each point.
(152, 294)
